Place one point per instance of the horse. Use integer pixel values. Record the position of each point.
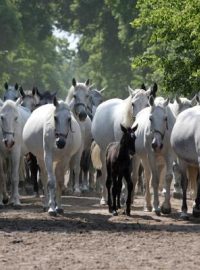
(185, 142)
(11, 92)
(12, 120)
(77, 99)
(32, 99)
(118, 164)
(53, 135)
(108, 117)
(179, 105)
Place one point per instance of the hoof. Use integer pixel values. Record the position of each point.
(85, 188)
(157, 211)
(184, 216)
(52, 213)
(196, 212)
(102, 201)
(114, 213)
(110, 209)
(59, 211)
(17, 206)
(147, 209)
(128, 213)
(177, 195)
(5, 200)
(166, 211)
(77, 191)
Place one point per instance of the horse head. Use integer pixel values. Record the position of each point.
(79, 101)
(62, 122)
(140, 98)
(158, 121)
(128, 138)
(9, 120)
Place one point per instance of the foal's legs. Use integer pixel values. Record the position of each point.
(119, 189)
(130, 189)
(114, 194)
(108, 185)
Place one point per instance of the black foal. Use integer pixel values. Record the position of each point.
(118, 162)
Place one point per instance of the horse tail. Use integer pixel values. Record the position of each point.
(95, 156)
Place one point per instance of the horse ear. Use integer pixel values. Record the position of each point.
(16, 86)
(143, 87)
(21, 91)
(166, 102)
(130, 90)
(6, 85)
(178, 100)
(55, 101)
(124, 130)
(74, 82)
(154, 89)
(134, 127)
(151, 101)
(100, 91)
(87, 82)
(38, 92)
(195, 100)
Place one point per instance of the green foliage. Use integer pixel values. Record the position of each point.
(172, 49)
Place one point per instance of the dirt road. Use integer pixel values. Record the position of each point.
(87, 237)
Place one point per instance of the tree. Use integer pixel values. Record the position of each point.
(172, 50)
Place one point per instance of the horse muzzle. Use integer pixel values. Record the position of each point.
(60, 143)
(82, 116)
(8, 143)
(155, 146)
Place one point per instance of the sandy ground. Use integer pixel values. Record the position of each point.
(88, 237)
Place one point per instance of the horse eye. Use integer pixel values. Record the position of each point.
(150, 118)
(2, 117)
(74, 95)
(133, 104)
(16, 118)
(55, 118)
(165, 118)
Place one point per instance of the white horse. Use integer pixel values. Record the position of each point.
(179, 105)
(12, 120)
(153, 148)
(77, 99)
(185, 141)
(53, 135)
(108, 117)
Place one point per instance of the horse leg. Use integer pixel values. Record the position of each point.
(103, 177)
(166, 205)
(114, 195)
(34, 171)
(155, 182)
(59, 172)
(75, 166)
(51, 182)
(43, 175)
(177, 192)
(140, 185)
(108, 186)
(196, 206)
(134, 175)
(184, 185)
(147, 178)
(130, 189)
(119, 189)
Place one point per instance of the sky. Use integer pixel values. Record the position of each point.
(73, 39)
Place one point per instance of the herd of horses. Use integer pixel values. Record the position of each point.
(119, 138)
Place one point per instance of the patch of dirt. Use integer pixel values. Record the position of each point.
(88, 237)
